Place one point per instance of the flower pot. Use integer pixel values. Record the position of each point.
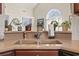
(9, 28)
(64, 28)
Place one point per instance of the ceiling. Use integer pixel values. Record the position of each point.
(26, 5)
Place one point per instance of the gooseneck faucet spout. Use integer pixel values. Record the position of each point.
(37, 35)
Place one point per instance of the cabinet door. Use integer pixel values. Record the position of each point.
(7, 53)
(76, 7)
(0, 8)
(67, 53)
(36, 53)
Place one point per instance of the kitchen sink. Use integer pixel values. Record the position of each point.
(36, 42)
(50, 42)
(26, 42)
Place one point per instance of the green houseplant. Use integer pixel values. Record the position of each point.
(15, 21)
(66, 25)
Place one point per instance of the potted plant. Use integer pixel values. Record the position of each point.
(66, 25)
(10, 27)
(15, 21)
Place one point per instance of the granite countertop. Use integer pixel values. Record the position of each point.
(70, 45)
(8, 32)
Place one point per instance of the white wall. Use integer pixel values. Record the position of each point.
(2, 23)
(1, 27)
(75, 27)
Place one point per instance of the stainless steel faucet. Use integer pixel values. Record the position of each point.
(37, 35)
(24, 36)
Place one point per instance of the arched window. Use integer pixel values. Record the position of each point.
(54, 15)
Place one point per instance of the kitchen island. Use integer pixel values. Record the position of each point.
(68, 46)
(9, 45)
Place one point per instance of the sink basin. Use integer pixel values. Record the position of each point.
(40, 42)
(50, 42)
(26, 42)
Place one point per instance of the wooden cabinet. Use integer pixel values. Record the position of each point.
(36, 52)
(67, 53)
(76, 8)
(0, 8)
(8, 53)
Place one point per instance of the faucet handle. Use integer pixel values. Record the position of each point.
(24, 36)
(35, 35)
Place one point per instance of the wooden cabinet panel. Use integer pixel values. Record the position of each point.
(0, 8)
(67, 53)
(8, 53)
(36, 53)
(76, 8)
